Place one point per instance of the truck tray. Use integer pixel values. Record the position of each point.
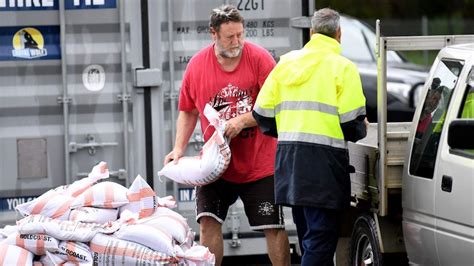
(364, 155)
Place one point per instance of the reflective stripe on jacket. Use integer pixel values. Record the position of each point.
(315, 83)
(313, 101)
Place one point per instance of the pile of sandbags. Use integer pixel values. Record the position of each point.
(96, 222)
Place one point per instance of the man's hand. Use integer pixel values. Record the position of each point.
(234, 126)
(174, 156)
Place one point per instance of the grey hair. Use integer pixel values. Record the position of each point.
(224, 14)
(325, 21)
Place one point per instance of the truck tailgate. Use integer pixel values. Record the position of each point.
(364, 155)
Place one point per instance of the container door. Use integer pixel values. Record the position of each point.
(98, 94)
(67, 95)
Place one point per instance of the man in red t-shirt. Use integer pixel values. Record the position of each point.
(228, 75)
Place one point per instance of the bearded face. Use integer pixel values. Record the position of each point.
(229, 41)
(228, 52)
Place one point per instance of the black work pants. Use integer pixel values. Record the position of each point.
(318, 232)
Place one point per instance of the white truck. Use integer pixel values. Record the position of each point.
(413, 186)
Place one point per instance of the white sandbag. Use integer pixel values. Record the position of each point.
(141, 198)
(168, 221)
(98, 172)
(107, 250)
(35, 243)
(63, 230)
(13, 255)
(167, 201)
(104, 195)
(73, 252)
(162, 211)
(93, 215)
(212, 162)
(196, 256)
(50, 260)
(56, 203)
(8, 230)
(189, 241)
(52, 204)
(148, 236)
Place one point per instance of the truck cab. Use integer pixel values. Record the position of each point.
(413, 183)
(438, 177)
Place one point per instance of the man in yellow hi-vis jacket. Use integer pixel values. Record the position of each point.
(313, 102)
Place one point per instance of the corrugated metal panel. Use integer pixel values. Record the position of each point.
(31, 116)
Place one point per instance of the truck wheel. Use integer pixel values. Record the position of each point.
(365, 248)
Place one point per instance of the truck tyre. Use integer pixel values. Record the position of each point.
(364, 247)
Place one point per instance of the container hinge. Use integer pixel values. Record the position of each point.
(120, 174)
(234, 226)
(64, 100)
(147, 77)
(124, 98)
(91, 145)
(171, 95)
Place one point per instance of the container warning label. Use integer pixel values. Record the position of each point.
(9, 204)
(187, 194)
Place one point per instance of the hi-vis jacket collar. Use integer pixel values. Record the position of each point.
(320, 41)
(301, 62)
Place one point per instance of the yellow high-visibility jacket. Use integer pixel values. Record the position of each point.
(313, 101)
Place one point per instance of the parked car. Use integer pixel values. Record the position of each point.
(404, 79)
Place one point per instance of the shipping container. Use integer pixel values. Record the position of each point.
(84, 81)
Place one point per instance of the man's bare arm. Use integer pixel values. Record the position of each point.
(184, 129)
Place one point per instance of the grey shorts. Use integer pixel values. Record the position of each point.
(258, 197)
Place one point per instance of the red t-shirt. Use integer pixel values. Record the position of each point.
(232, 93)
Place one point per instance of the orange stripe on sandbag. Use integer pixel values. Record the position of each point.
(133, 197)
(109, 196)
(72, 248)
(147, 192)
(40, 205)
(79, 191)
(40, 245)
(59, 212)
(88, 197)
(20, 241)
(3, 253)
(143, 193)
(97, 248)
(22, 258)
(146, 212)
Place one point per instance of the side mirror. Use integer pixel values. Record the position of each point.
(461, 134)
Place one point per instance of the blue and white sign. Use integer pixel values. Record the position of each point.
(24, 5)
(186, 194)
(27, 43)
(9, 204)
(29, 5)
(90, 4)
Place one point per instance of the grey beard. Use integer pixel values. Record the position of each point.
(229, 54)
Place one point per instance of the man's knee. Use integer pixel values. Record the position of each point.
(275, 234)
(209, 225)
